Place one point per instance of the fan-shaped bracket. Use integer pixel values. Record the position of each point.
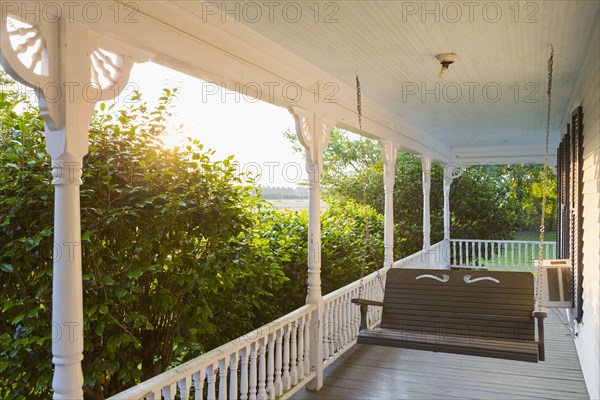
(66, 64)
(389, 152)
(314, 132)
(28, 51)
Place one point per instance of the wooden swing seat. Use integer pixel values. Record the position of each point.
(479, 313)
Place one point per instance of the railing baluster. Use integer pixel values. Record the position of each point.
(262, 370)
(512, 256)
(334, 326)
(485, 251)
(294, 353)
(244, 373)
(184, 388)
(533, 256)
(223, 379)
(253, 376)
(271, 367)
(210, 382)
(278, 362)
(460, 246)
(326, 332)
(520, 257)
(233, 376)
(168, 392)
(345, 317)
(467, 255)
(307, 345)
(340, 327)
(286, 360)
(301, 369)
(198, 380)
(334, 321)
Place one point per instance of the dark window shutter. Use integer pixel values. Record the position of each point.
(577, 209)
(570, 205)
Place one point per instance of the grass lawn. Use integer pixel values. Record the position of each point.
(549, 236)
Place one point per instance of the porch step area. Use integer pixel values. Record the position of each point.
(375, 372)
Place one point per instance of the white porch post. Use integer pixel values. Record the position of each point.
(447, 183)
(67, 100)
(388, 155)
(426, 164)
(314, 132)
(448, 178)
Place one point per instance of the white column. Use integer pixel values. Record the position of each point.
(388, 155)
(65, 54)
(313, 133)
(448, 178)
(426, 164)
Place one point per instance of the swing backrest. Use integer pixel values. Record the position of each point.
(460, 305)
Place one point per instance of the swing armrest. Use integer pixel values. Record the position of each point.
(364, 306)
(540, 315)
(368, 302)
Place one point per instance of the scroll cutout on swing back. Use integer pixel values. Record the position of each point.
(444, 278)
(468, 279)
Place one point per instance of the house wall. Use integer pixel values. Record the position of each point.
(587, 340)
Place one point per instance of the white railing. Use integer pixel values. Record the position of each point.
(266, 363)
(341, 318)
(273, 361)
(513, 255)
(436, 257)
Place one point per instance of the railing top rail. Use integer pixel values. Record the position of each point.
(353, 285)
(418, 255)
(175, 374)
(501, 241)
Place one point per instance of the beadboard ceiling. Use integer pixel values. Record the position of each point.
(394, 51)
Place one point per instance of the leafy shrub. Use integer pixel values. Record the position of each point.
(344, 247)
(179, 256)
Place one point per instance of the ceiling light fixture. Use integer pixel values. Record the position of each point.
(445, 59)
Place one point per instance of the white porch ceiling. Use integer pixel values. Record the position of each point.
(394, 52)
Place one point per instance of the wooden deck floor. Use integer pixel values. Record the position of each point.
(375, 372)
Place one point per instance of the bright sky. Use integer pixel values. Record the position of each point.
(227, 122)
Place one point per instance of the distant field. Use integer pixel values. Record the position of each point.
(294, 204)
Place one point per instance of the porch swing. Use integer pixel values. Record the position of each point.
(478, 313)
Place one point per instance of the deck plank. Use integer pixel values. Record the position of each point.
(375, 372)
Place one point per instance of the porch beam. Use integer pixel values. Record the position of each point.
(64, 60)
(389, 152)
(314, 133)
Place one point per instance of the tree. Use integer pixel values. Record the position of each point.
(524, 184)
(479, 207)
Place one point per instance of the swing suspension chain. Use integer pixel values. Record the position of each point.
(364, 192)
(544, 185)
